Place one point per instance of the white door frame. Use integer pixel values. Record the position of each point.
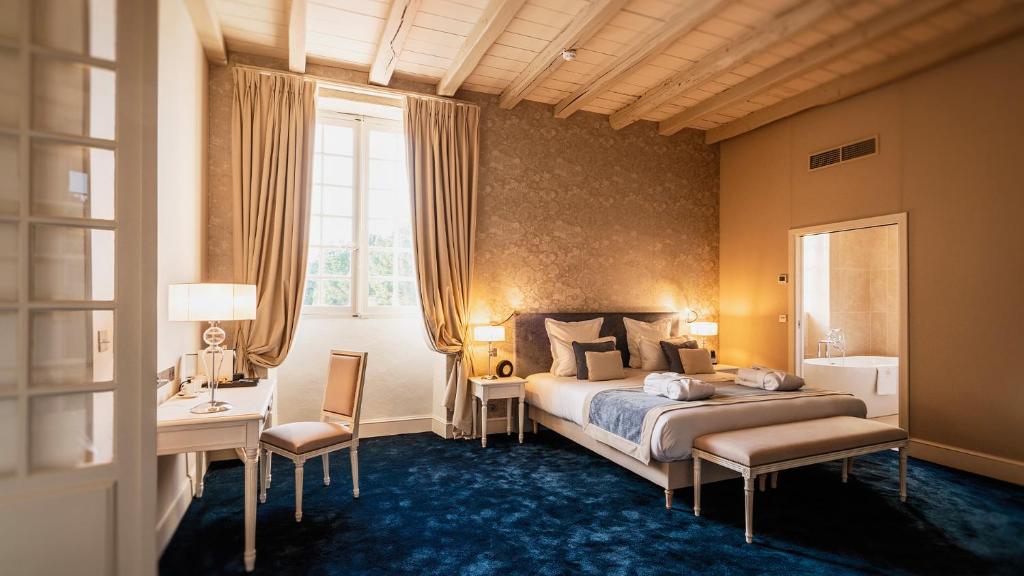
(795, 290)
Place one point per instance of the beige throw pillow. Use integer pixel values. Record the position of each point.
(605, 366)
(696, 361)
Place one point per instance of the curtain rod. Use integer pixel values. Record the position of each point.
(354, 86)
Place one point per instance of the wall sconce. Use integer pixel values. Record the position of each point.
(688, 316)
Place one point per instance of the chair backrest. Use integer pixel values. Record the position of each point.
(343, 394)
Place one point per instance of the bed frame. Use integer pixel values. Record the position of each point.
(533, 355)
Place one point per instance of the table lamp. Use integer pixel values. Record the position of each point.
(213, 303)
(489, 334)
(704, 329)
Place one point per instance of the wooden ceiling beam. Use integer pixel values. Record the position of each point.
(726, 57)
(207, 26)
(992, 29)
(297, 37)
(392, 40)
(813, 58)
(675, 26)
(486, 30)
(582, 28)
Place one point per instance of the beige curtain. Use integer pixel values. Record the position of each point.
(442, 151)
(273, 118)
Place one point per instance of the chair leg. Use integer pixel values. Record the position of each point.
(353, 453)
(327, 469)
(668, 499)
(775, 480)
(265, 474)
(846, 469)
(696, 486)
(903, 474)
(298, 490)
(748, 492)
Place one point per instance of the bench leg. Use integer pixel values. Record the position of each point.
(534, 426)
(846, 469)
(696, 486)
(775, 480)
(748, 492)
(761, 482)
(668, 499)
(903, 474)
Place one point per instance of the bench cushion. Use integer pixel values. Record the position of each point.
(782, 442)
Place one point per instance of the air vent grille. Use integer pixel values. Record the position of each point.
(843, 153)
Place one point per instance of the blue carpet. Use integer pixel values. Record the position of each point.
(430, 506)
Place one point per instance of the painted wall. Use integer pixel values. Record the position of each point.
(572, 216)
(181, 174)
(950, 142)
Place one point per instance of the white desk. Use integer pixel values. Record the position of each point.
(178, 431)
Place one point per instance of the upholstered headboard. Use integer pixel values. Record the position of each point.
(533, 351)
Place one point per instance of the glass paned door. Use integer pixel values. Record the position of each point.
(70, 410)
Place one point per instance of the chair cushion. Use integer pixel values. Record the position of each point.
(302, 437)
(782, 442)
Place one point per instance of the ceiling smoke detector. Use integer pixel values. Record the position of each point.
(569, 55)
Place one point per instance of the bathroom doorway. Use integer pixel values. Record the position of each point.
(849, 286)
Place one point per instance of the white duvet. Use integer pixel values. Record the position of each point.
(675, 431)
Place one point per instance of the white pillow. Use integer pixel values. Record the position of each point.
(584, 331)
(651, 356)
(636, 329)
(566, 363)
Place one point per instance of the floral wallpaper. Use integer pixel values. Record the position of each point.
(572, 216)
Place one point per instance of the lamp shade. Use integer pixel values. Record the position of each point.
(704, 328)
(205, 302)
(489, 333)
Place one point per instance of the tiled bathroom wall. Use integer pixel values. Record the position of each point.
(864, 289)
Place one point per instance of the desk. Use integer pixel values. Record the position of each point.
(179, 431)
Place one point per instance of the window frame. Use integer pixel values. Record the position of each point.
(360, 248)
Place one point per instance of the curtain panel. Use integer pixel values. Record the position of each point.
(442, 146)
(273, 123)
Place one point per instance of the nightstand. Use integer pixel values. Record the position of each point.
(496, 389)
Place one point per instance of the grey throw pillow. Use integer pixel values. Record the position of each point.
(671, 350)
(580, 350)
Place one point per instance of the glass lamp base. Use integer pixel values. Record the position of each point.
(211, 407)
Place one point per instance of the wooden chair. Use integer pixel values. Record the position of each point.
(300, 441)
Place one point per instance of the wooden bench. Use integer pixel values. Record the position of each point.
(754, 452)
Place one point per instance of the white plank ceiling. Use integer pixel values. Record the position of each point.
(704, 64)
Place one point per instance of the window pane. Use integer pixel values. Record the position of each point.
(9, 437)
(71, 430)
(75, 181)
(314, 230)
(337, 201)
(70, 263)
(315, 199)
(9, 351)
(337, 262)
(384, 145)
(406, 293)
(382, 264)
(10, 182)
(70, 347)
(337, 292)
(382, 233)
(71, 98)
(337, 139)
(11, 91)
(309, 297)
(337, 171)
(313, 262)
(384, 174)
(8, 262)
(337, 231)
(381, 292)
(384, 203)
(79, 26)
(403, 236)
(405, 267)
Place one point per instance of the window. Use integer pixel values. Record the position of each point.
(360, 229)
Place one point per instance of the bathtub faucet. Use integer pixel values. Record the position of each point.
(834, 338)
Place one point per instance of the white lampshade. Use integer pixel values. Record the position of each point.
(205, 302)
(704, 328)
(489, 333)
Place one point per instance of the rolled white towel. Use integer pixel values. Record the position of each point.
(769, 379)
(677, 387)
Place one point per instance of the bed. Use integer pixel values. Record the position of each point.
(560, 403)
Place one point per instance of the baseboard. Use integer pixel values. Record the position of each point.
(969, 460)
(441, 428)
(171, 518)
(392, 426)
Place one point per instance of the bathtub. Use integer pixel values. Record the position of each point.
(856, 375)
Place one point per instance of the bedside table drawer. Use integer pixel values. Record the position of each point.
(499, 391)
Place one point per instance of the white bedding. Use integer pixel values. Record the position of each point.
(675, 431)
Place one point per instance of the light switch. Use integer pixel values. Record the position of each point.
(783, 318)
(783, 278)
